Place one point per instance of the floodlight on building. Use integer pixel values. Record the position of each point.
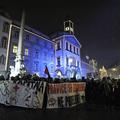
(70, 60)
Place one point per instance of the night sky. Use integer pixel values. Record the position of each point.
(97, 23)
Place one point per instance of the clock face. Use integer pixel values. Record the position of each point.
(69, 28)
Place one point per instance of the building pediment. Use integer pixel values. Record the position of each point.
(73, 40)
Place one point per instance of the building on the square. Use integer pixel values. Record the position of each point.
(4, 35)
(103, 72)
(60, 52)
(89, 68)
(114, 71)
(67, 52)
(38, 48)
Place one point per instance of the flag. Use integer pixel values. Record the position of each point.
(47, 71)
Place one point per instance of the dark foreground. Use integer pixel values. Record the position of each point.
(84, 112)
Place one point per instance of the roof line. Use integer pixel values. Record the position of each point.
(32, 33)
(75, 38)
(68, 35)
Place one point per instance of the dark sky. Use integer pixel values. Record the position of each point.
(97, 23)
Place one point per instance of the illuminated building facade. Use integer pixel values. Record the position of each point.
(60, 52)
(89, 69)
(4, 35)
(67, 52)
(103, 72)
(114, 71)
(38, 49)
(67, 55)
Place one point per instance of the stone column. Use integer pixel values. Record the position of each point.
(19, 57)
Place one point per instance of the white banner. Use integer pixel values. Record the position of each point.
(59, 95)
(21, 95)
(66, 94)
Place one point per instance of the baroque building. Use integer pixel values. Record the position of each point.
(67, 52)
(60, 52)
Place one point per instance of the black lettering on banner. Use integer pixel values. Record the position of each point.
(60, 102)
(67, 101)
(77, 99)
(41, 87)
(73, 100)
(70, 99)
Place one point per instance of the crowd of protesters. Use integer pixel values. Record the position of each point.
(101, 92)
(35, 77)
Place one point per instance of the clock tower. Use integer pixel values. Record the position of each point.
(69, 27)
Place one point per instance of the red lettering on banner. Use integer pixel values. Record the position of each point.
(69, 86)
(78, 87)
(61, 88)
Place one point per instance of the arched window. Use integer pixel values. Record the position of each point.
(2, 59)
(4, 42)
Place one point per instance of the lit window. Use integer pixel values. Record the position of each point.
(5, 27)
(70, 61)
(58, 61)
(26, 52)
(15, 49)
(4, 42)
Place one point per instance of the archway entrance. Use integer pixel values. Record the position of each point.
(59, 74)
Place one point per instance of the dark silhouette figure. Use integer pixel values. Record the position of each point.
(45, 98)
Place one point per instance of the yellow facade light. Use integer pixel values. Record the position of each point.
(114, 69)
